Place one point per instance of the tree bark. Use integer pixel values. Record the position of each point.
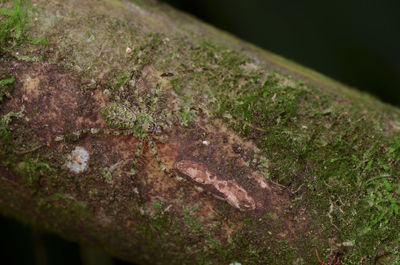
(266, 161)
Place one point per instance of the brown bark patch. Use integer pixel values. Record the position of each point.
(209, 157)
(213, 159)
(216, 168)
(54, 103)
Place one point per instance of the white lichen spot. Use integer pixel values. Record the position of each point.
(205, 142)
(77, 160)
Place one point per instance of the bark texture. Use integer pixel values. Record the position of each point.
(268, 161)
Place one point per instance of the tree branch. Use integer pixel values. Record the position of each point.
(265, 161)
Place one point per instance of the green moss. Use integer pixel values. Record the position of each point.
(312, 140)
(30, 59)
(5, 120)
(344, 159)
(106, 173)
(188, 113)
(12, 21)
(158, 206)
(38, 40)
(119, 80)
(191, 220)
(176, 84)
(6, 87)
(32, 169)
(7, 81)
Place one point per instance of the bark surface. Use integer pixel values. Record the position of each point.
(267, 161)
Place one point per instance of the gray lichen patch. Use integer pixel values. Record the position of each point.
(78, 159)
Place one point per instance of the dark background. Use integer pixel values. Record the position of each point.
(356, 42)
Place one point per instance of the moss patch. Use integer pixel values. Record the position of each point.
(13, 19)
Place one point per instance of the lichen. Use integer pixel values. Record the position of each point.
(6, 119)
(78, 159)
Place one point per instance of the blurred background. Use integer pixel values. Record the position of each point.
(356, 42)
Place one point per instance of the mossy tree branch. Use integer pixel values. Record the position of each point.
(269, 160)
